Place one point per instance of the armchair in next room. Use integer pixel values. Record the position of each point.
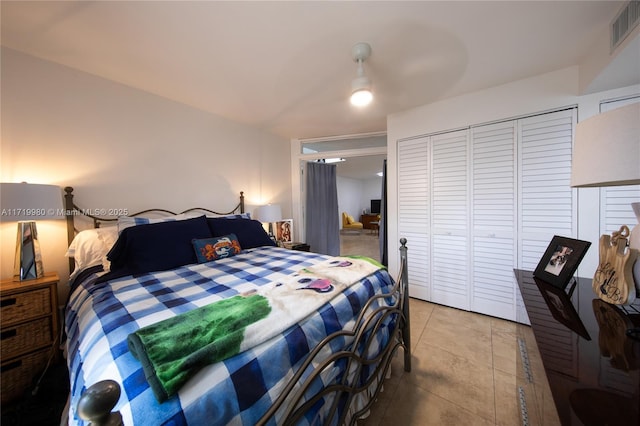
(349, 223)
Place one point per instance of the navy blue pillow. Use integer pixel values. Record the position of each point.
(155, 247)
(250, 233)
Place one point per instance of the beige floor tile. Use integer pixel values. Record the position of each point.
(419, 312)
(458, 338)
(503, 325)
(505, 350)
(416, 406)
(468, 319)
(455, 378)
(363, 244)
(507, 408)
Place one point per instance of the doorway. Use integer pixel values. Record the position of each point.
(358, 159)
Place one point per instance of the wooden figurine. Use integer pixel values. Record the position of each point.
(613, 280)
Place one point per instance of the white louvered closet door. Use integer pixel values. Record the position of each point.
(546, 202)
(414, 212)
(450, 219)
(494, 219)
(615, 207)
(547, 207)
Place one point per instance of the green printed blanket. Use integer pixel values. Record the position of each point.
(173, 350)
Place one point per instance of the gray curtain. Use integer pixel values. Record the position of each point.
(383, 217)
(322, 221)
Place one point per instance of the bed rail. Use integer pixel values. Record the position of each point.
(350, 395)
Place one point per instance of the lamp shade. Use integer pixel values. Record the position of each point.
(269, 213)
(25, 203)
(28, 201)
(607, 149)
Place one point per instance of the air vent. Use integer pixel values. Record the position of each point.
(624, 23)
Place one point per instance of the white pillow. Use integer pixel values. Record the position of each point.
(90, 248)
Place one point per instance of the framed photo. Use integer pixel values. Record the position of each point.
(562, 308)
(560, 261)
(283, 230)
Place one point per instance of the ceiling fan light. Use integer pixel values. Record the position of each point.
(361, 94)
(361, 97)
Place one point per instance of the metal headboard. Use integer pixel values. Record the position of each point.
(72, 210)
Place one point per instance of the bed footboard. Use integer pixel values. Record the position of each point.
(346, 397)
(351, 394)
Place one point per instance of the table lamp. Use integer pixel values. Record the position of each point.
(25, 203)
(607, 153)
(268, 214)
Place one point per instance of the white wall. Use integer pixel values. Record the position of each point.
(120, 147)
(354, 195)
(537, 94)
(349, 197)
(371, 190)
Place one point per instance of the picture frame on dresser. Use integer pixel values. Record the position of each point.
(560, 260)
(283, 231)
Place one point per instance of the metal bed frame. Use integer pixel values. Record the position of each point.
(98, 401)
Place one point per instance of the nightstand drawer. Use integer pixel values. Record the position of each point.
(25, 337)
(17, 375)
(24, 306)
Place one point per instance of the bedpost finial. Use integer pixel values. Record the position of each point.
(97, 402)
(403, 241)
(68, 189)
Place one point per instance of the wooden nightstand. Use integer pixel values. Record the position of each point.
(29, 322)
(301, 247)
(296, 246)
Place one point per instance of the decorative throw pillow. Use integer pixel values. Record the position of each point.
(350, 219)
(208, 249)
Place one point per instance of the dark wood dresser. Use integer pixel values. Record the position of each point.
(368, 220)
(576, 365)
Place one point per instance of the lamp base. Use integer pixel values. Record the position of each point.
(634, 243)
(28, 260)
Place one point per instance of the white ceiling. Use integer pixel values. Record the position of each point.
(286, 67)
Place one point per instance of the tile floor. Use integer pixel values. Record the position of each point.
(463, 366)
(463, 372)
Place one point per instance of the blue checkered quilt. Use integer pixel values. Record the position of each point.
(237, 390)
